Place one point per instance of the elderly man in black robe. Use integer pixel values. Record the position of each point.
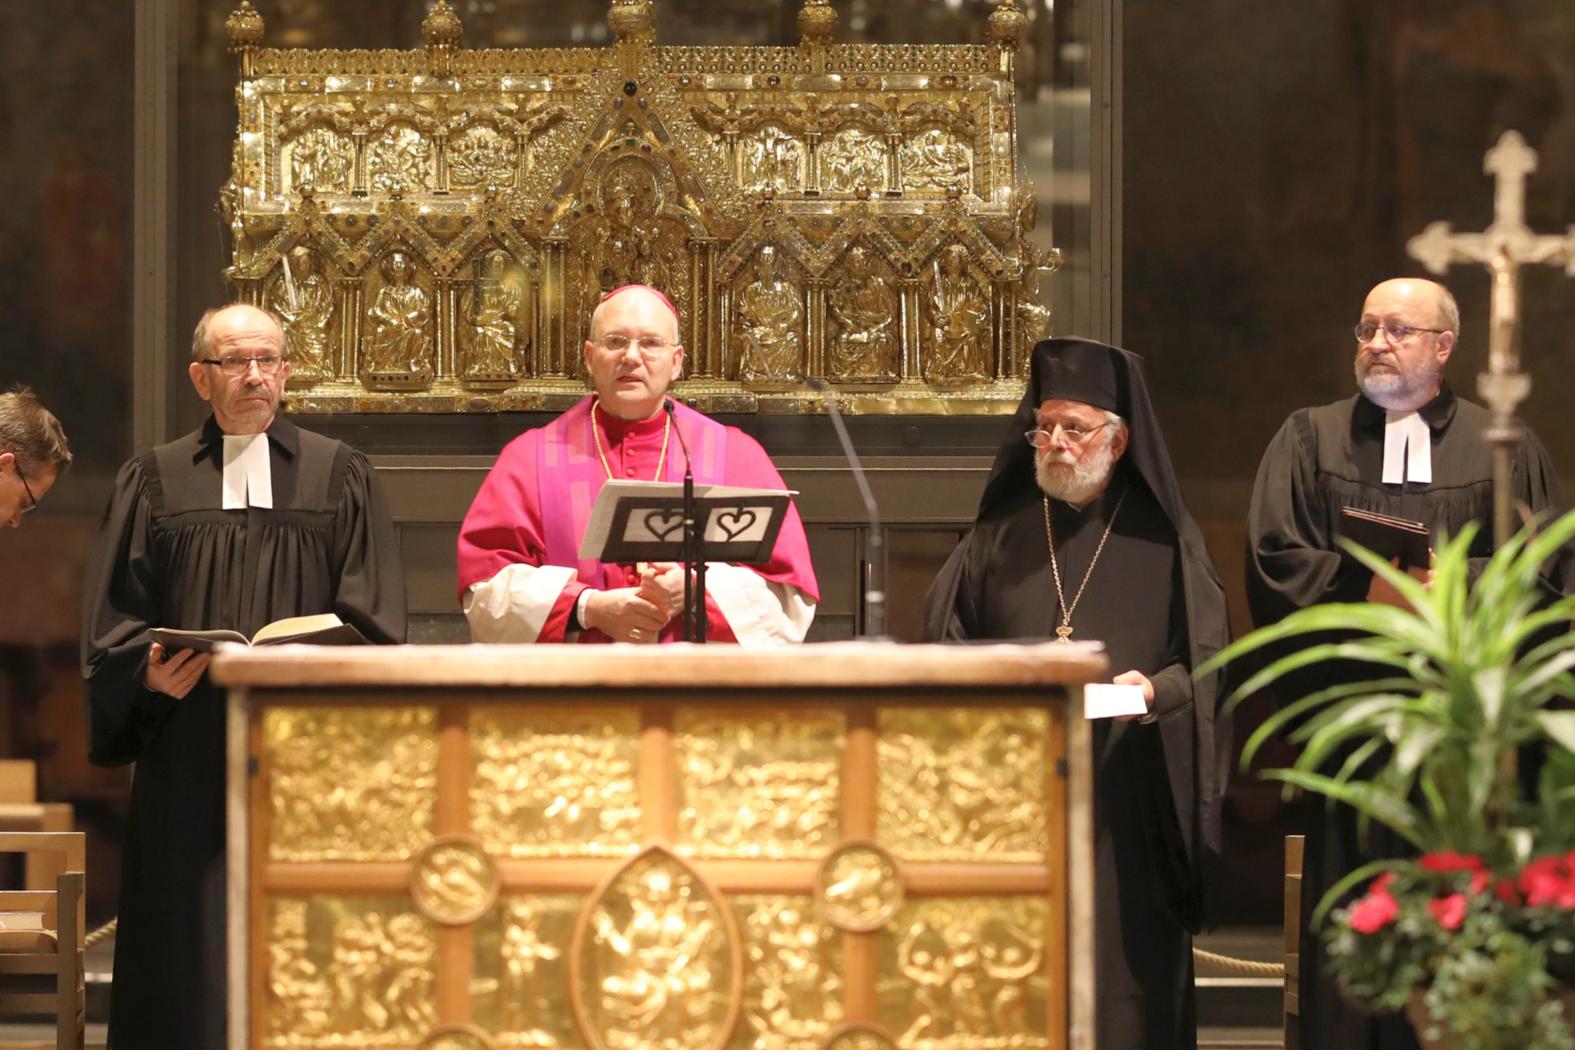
(1407, 447)
(244, 521)
(1082, 535)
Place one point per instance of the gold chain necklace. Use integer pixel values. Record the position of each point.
(1063, 633)
(596, 435)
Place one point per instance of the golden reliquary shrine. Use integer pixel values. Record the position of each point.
(850, 846)
(435, 226)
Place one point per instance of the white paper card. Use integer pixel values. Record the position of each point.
(1103, 700)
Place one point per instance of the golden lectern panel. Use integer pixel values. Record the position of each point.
(698, 849)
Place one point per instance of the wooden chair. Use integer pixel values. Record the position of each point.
(1293, 927)
(42, 938)
(20, 810)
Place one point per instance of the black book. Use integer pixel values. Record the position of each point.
(1387, 537)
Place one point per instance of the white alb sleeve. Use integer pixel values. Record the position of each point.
(514, 605)
(759, 611)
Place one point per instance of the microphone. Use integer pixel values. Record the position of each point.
(694, 611)
(875, 584)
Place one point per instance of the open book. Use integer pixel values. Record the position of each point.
(322, 629)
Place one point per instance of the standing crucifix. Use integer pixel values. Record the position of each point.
(1504, 247)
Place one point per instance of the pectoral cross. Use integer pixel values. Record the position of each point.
(1504, 247)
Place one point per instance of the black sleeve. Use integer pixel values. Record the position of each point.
(370, 589)
(120, 602)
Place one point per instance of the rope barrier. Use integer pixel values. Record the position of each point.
(1230, 964)
(100, 933)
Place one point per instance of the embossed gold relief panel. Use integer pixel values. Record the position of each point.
(461, 211)
(966, 973)
(349, 783)
(758, 785)
(793, 975)
(520, 988)
(555, 785)
(656, 963)
(964, 784)
(347, 972)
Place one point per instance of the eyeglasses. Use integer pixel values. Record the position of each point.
(32, 500)
(1397, 333)
(239, 365)
(649, 348)
(1046, 438)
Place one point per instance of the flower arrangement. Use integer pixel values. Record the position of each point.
(1475, 936)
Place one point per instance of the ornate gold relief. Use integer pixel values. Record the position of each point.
(655, 963)
(973, 974)
(555, 784)
(859, 887)
(453, 881)
(550, 785)
(859, 1037)
(406, 173)
(347, 972)
(963, 784)
(793, 979)
(758, 786)
(520, 990)
(301, 295)
(456, 1037)
(349, 783)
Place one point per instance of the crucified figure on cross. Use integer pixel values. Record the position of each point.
(1504, 247)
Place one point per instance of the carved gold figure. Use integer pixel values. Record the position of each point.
(770, 316)
(863, 305)
(793, 990)
(398, 343)
(349, 784)
(957, 315)
(859, 887)
(659, 961)
(962, 785)
(453, 881)
(634, 162)
(304, 303)
(492, 333)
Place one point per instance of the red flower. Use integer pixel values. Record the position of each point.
(1505, 891)
(1447, 861)
(1450, 911)
(1382, 883)
(1479, 882)
(1549, 881)
(1373, 912)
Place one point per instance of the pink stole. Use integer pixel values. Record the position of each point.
(569, 476)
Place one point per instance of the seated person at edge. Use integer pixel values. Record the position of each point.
(520, 575)
(1082, 535)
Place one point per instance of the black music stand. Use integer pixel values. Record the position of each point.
(644, 521)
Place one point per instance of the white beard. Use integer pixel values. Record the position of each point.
(1398, 391)
(1075, 483)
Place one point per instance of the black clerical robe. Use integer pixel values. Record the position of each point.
(169, 556)
(999, 585)
(1321, 460)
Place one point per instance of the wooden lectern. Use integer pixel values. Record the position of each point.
(834, 847)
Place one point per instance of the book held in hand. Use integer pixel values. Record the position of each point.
(1387, 537)
(322, 629)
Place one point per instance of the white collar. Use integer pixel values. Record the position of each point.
(1408, 448)
(248, 474)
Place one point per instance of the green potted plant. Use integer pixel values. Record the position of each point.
(1475, 936)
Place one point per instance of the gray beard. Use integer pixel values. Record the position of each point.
(1075, 483)
(1398, 391)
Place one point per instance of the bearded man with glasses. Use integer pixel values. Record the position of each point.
(520, 575)
(1083, 535)
(1405, 446)
(33, 453)
(247, 520)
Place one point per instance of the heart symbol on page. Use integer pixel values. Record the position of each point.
(734, 523)
(663, 524)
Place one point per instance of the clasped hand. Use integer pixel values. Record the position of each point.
(638, 614)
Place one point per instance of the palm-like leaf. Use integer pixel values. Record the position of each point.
(1460, 681)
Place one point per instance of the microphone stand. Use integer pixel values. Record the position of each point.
(874, 546)
(691, 550)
